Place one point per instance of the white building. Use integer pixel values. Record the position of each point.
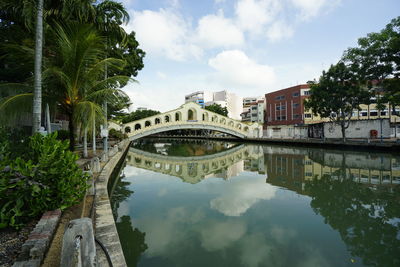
(199, 97)
(253, 109)
(229, 100)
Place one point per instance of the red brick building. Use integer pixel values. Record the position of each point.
(286, 107)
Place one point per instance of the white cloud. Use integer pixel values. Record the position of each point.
(163, 33)
(313, 8)
(253, 15)
(279, 31)
(235, 68)
(161, 75)
(218, 31)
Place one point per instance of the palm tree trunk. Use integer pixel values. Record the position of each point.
(71, 133)
(48, 123)
(85, 151)
(37, 96)
(94, 136)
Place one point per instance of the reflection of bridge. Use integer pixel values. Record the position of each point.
(194, 169)
(190, 116)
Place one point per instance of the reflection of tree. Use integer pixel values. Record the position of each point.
(368, 220)
(120, 193)
(132, 240)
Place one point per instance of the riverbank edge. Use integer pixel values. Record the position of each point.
(104, 223)
(349, 145)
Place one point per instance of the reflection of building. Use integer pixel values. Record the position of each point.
(290, 168)
(231, 101)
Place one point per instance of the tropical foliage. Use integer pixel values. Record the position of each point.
(88, 56)
(217, 108)
(370, 69)
(336, 95)
(138, 115)
(43, 177)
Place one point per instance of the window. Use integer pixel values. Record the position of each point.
(383, 113)
(296, 94)
(364, 113)
(281, 97)
(295, 105)
(373, 113)
(307, 115)
(296, 116)
(283, 118)
(307, 92)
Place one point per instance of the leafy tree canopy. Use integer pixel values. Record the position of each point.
(217, 108)
(377, 59)
(138, 115)
(337, 93)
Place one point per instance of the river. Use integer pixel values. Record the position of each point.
(208, 203)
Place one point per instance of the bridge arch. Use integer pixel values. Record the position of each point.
(190, 116)
(178, 116)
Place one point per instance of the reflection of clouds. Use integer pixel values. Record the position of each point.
(313, 258)
(162, 192)
(282, 235)
(240, 195)
(219, 235)
(123, 210)
(132, 171)
(161, 234)
(255, 250)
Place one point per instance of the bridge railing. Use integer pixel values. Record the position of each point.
(244, 129)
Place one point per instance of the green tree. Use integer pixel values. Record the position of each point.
(335, 96)
(138, 115)
(217, 108)
(377, 59)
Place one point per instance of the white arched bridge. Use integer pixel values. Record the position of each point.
(190, 116)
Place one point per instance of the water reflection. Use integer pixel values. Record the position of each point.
(224, 164)
(250, 220)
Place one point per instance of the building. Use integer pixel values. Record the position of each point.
(284, 112)
(253, 109)
(200, 97)
(224, 98)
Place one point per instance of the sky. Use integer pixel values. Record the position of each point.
(248, 47)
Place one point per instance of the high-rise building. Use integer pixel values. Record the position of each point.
(253, 109)
(199, 97)
(224, 98)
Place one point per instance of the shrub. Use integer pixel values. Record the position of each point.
(112, 133)
(50, 179)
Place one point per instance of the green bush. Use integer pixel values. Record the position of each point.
(112, 133)
(50, 179)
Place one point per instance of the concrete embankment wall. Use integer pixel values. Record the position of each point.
(105, 228)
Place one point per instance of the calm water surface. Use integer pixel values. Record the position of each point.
(207, 203)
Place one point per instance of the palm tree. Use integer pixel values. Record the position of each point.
(37, 97)
(75, 79)
(78, 73)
